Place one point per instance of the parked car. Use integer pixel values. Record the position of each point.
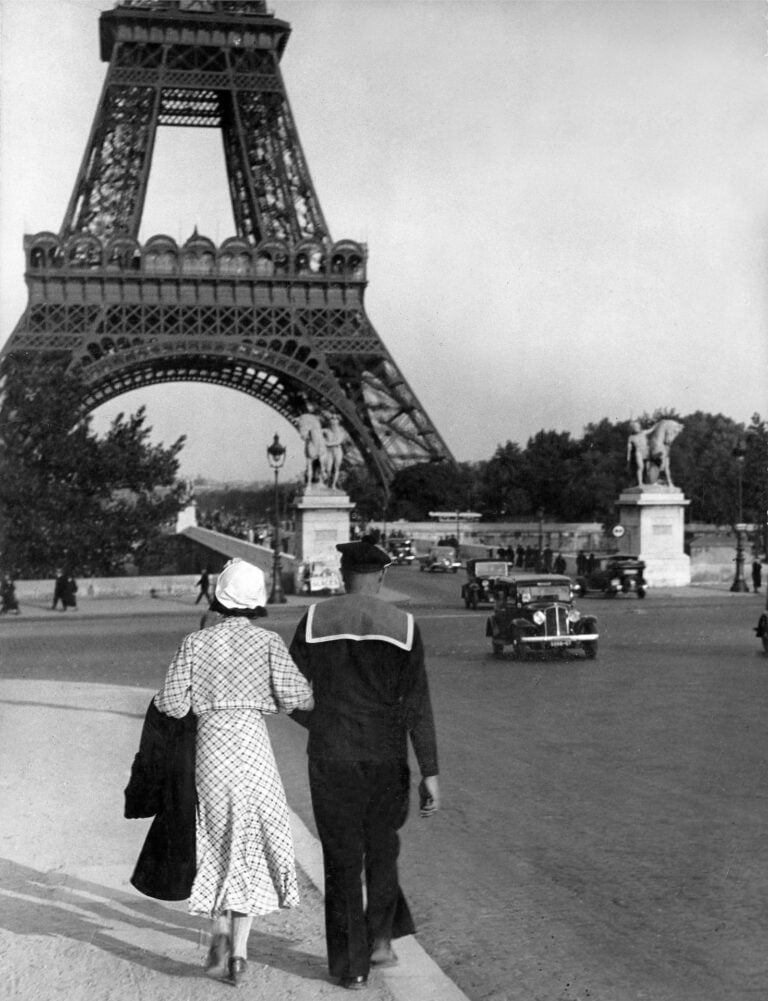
(614, 575)
(401, 551)
(481, 578)
(534, 613)
(441, 558)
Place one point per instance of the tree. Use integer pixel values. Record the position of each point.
(547, 467)
(705, 469)
(68, 498)
(366, 492)
(502, 490)
(430, 486)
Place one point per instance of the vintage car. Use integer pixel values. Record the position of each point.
(481, 578)
(534, 613)
(401, 551)
(440, 558)
(614, 575)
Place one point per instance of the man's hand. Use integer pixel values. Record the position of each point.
(429, 796)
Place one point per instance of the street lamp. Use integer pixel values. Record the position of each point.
(739, 583)
(276, 459)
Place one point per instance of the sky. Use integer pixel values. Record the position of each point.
(565, 204)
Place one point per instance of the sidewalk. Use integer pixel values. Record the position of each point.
(163, 605)
(71, 925)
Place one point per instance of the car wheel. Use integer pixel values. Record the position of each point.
(641, 592)
(590, 649)
(467, 603)
(472, 603)
(498, 650)
(518, 649)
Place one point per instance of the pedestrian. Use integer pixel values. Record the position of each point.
(204, 583)
(230, 675)
(69, 591)
(8, 600)
(757, 574)
(365, 661)
(58, 591)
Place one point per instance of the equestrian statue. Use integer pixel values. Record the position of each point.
(648, 450)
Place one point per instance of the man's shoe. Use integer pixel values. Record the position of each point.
(353, 983)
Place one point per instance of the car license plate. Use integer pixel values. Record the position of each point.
(560, 642)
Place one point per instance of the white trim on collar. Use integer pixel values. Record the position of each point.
(406, 644)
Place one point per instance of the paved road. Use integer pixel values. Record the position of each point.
(602, 835)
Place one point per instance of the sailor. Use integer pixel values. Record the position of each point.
(365, 661)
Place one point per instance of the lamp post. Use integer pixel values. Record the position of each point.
(276, 459)
(739, 583)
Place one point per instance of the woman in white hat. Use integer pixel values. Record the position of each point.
(229, 675)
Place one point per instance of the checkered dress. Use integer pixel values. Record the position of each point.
(229, 675)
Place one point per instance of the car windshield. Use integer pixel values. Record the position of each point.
(544, 592)
(490, 568)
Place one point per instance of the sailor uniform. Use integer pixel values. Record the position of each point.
(365, 661)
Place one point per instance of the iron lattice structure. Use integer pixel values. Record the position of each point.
(277, 310)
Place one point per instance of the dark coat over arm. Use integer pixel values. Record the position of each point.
(162, 785)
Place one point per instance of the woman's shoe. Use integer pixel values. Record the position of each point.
(217, 964)
(237, 969)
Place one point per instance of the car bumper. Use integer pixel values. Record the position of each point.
(560, 640)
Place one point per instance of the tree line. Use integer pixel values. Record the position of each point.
(580, 478)
(70, 500)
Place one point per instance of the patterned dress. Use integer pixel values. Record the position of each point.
(229, 675)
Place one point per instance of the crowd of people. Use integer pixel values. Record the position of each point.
(236, 525)
(532, 558)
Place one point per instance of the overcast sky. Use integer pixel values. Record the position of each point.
(565, 203)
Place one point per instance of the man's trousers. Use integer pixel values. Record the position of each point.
(359, 807)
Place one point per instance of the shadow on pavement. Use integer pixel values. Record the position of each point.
(59, 905)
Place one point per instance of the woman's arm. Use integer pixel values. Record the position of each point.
(175, 697)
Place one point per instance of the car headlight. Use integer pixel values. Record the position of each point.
(525, 597)
(615, 582)
(539, 617)
(573, 615)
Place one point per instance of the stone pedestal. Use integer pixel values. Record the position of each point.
(653, 519)
(322, 521)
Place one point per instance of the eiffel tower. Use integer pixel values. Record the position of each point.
(276, 311)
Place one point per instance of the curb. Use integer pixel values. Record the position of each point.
(417, 975)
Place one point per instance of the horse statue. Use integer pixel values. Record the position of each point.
(650, 450)
(311, 431)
